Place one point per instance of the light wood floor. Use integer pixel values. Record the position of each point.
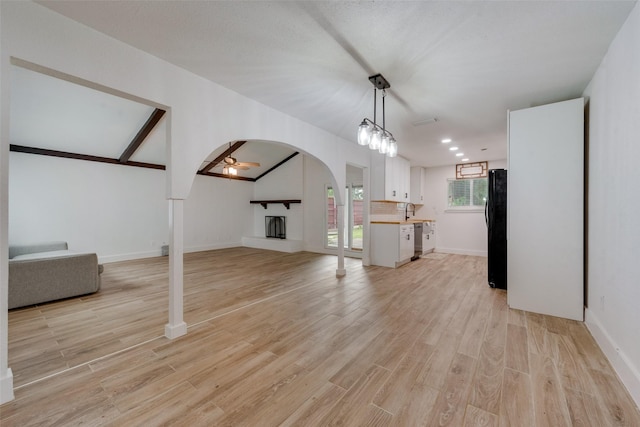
(277, 339)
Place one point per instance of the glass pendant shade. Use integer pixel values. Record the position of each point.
(376, 139)
(393, 148)
(384, 145)
(364, 134)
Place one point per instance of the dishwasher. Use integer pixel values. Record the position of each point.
(418, 229)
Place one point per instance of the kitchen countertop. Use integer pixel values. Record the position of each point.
(411, 221)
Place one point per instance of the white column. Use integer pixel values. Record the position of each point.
(176, 326)
(340, 272)
(6, 376)
(366, 229)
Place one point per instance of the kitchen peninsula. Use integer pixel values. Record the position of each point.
(395, 242)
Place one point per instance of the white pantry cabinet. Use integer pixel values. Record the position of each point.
(417, 185)
(390, 178)
(545, 210)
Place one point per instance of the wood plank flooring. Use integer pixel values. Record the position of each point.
(277, 339)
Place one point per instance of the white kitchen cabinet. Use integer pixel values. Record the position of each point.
(546, 209)
(392, 245)
(403, 170)
(429, 237)
(417, 185)
(390, 178)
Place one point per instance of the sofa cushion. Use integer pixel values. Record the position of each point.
(17, 250)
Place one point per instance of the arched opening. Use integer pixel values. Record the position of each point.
(280, 180)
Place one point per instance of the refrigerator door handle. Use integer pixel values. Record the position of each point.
(486, 217)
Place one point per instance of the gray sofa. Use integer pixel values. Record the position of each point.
(49, 271)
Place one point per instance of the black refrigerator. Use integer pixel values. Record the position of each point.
(495, 213)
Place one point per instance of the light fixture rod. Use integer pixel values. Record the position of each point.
(384, 93)
(375, 98)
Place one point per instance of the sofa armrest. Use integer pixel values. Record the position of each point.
(35, 281)
(16, 250)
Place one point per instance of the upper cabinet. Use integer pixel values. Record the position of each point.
(417, 185)
(390, 178)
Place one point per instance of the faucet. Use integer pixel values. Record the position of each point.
(406, 210)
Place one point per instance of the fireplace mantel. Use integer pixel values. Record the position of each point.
(264, 203)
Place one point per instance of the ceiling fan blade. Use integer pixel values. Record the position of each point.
(254, 164)
(241, 167)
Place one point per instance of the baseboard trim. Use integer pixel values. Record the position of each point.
(105, 259)
(622, 364)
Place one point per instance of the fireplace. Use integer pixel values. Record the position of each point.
(275, 227)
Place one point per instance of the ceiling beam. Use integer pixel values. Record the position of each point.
(222, 175)
(77, 156)
(221, 157)
(277, 165)
(146, 129)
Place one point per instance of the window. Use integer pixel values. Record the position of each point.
(467, 194)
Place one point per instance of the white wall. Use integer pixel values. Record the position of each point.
(283, 183)
(614, 230)
(456, 232)
(119, 212)
(217, 213)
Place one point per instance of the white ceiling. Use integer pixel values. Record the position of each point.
(464, 63)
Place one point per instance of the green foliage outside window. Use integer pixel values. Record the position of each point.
(467, 192)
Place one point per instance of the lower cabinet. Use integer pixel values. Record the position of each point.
(429, 238)
(392, 245)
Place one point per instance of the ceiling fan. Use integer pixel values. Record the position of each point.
(233, 162)
(231, 165)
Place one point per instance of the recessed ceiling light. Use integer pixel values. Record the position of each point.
(446, 140)
(459, 154)
(453, 148)
(465, 160)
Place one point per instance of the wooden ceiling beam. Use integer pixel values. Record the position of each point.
(277, 165)
(142, 134)
(77, 156)
(221, 157)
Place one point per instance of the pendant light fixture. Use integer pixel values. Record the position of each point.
(369, 132)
